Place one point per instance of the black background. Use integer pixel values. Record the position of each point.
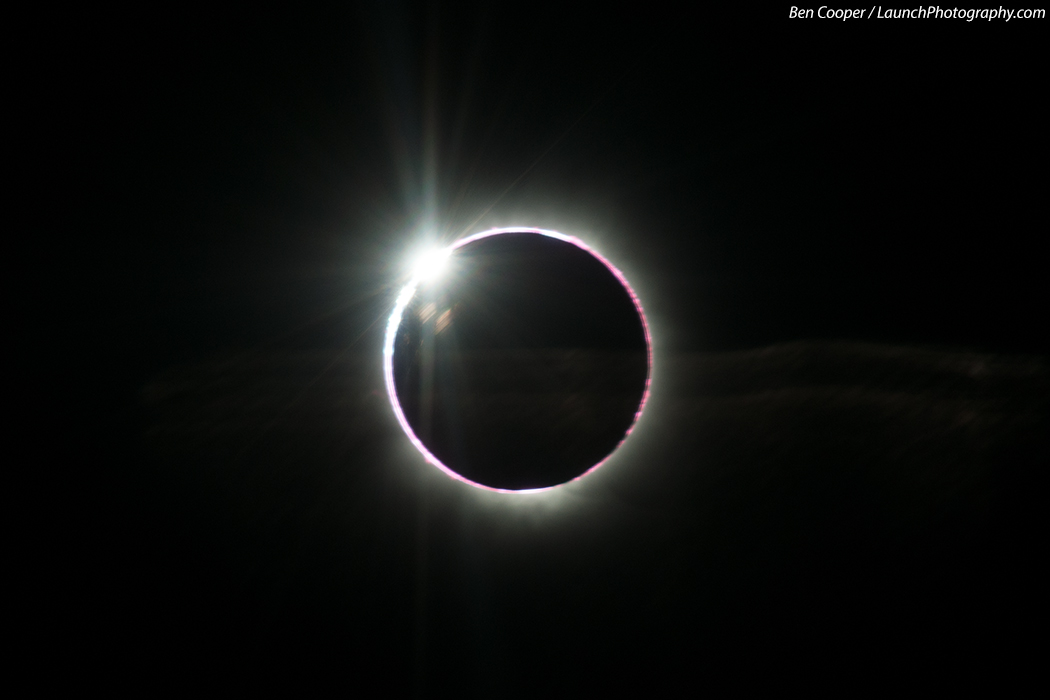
(254, 182)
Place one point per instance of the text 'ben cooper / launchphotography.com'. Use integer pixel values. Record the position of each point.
(928, 12)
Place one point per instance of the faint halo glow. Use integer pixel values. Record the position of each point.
(429, 266)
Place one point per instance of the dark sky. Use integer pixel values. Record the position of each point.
(768, 179)
(224, 186)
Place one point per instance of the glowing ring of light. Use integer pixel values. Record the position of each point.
(395, 322)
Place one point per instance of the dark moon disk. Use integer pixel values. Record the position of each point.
(523, 364)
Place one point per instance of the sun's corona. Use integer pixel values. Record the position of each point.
(428, 267)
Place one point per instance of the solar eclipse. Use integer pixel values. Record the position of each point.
(517, 359)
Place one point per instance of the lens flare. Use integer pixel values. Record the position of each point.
(429, 266)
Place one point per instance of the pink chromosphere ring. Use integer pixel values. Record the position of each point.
(405, 297)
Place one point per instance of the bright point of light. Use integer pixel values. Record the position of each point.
(431, 264)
